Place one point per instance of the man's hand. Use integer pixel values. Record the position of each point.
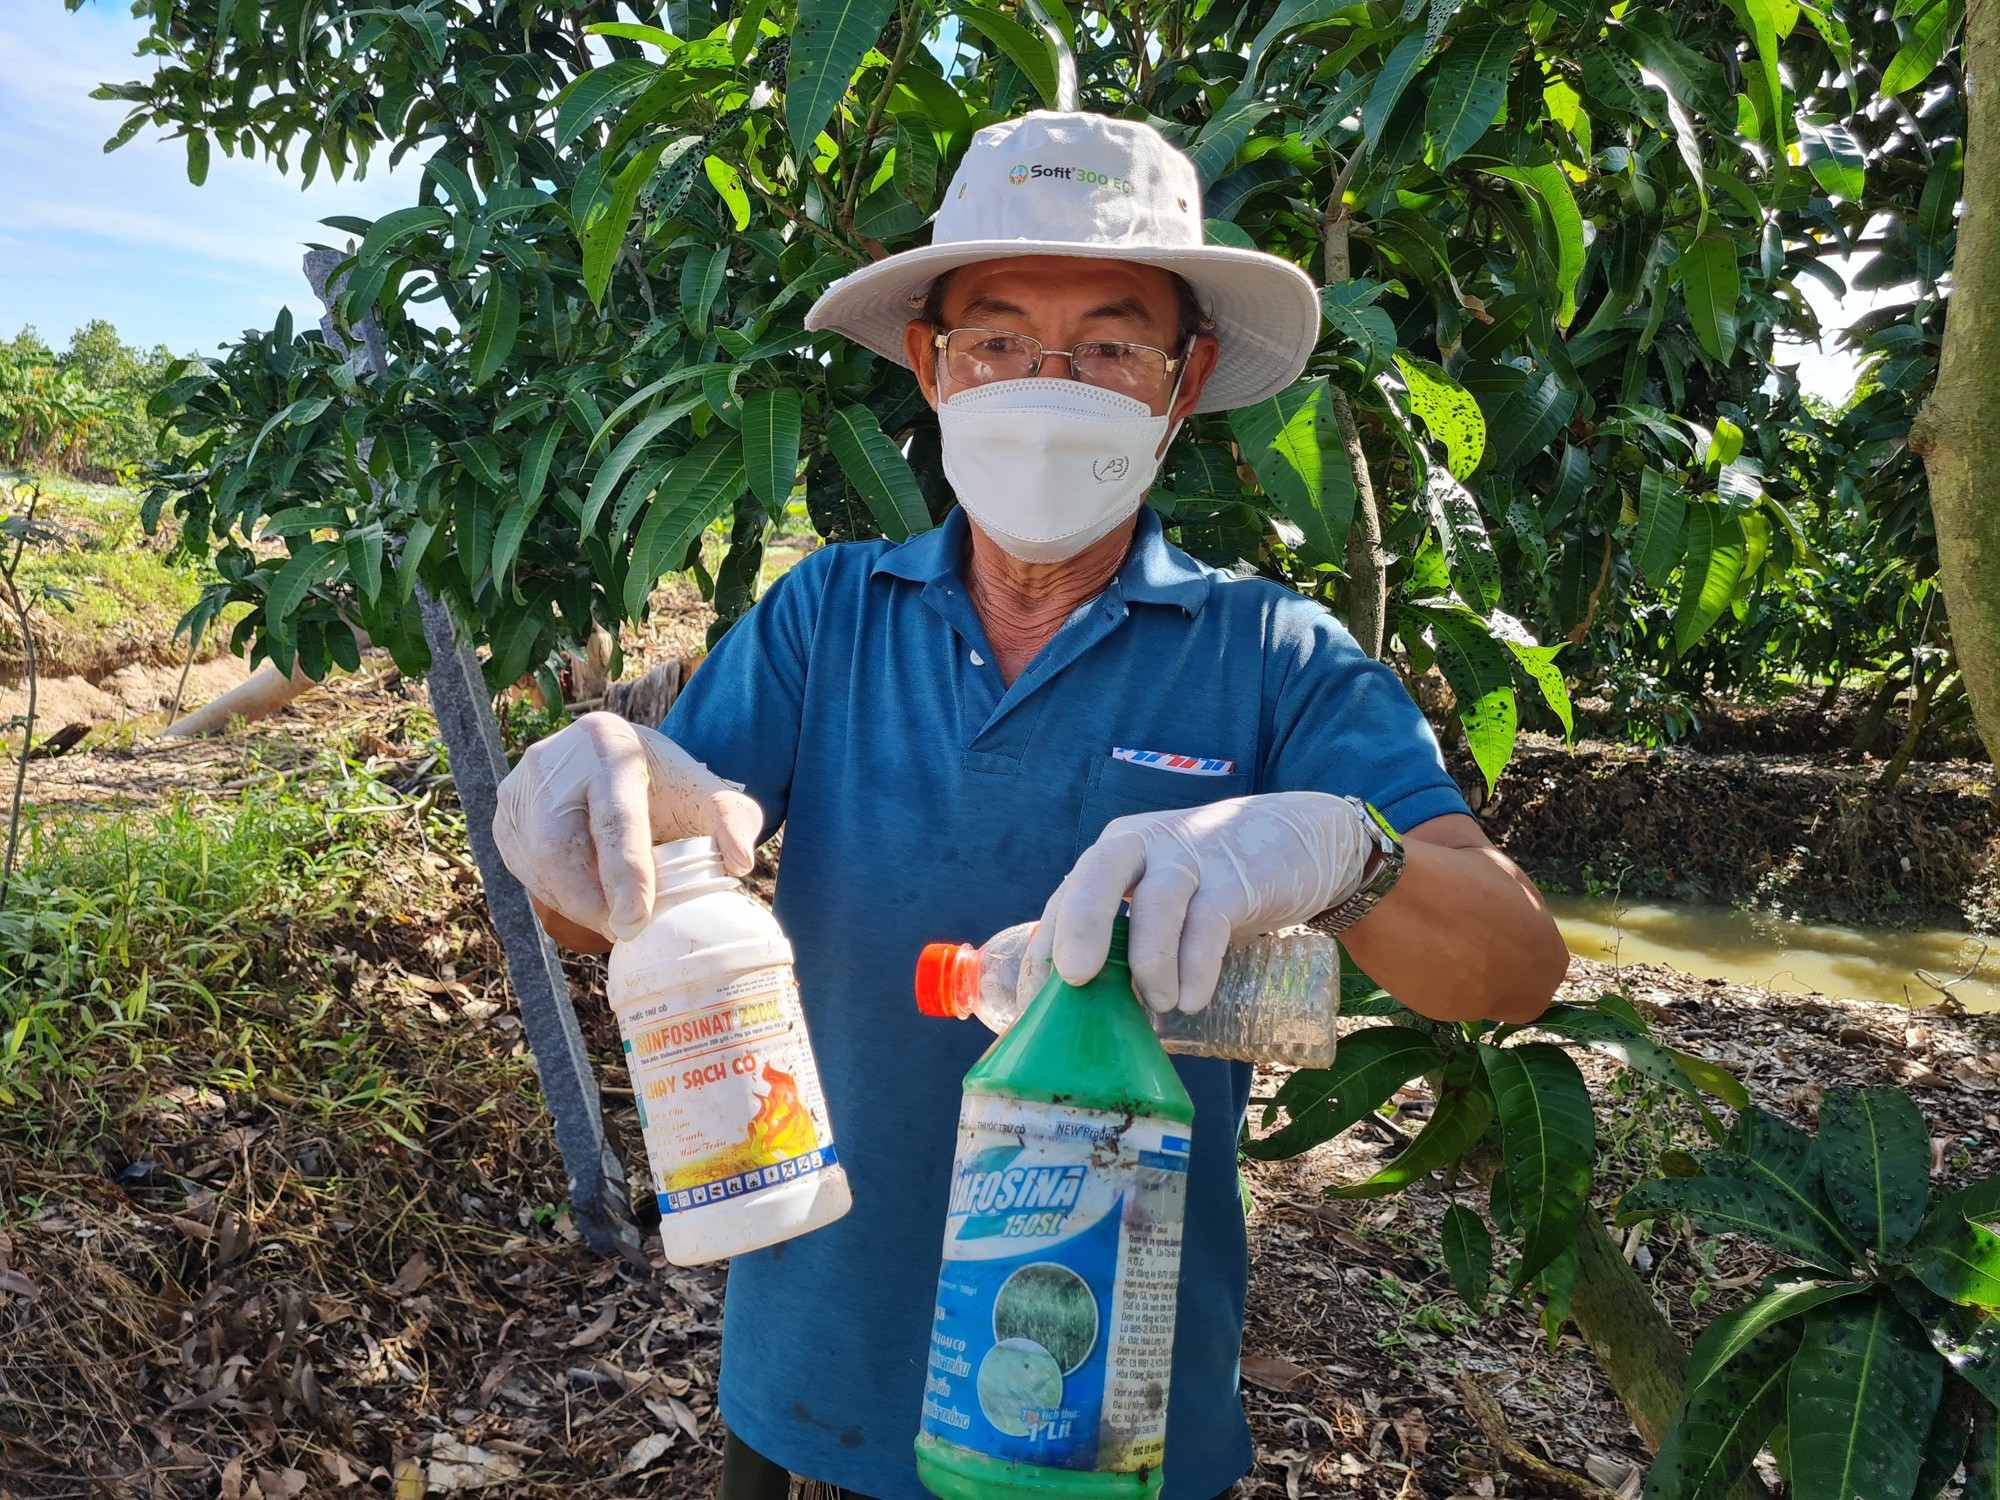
(579, 816)
(1200, 879)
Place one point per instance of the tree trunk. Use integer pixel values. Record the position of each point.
(1958, 431)
(1367, 570)
(1639, 1353)
(1878, 710)
(1920, 715)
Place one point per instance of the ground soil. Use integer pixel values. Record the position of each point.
(219, 1296)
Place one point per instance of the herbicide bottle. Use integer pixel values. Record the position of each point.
(1053, 1342)
(736, 1127)
(1275, 1002)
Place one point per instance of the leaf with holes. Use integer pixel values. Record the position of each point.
(1711, 286)
(1476, 667)
(1526, 420)
(1320, 1103)
(1863, 1377)
(1468, 550)
(1784, 1159)
(1875, 1160)
(1722, 1205)
(1548, 1138)
(1716, 1435)
(1468, 1253)
(1469, 87)
(877, 468)
(1730, 1333)
(728, 183)
(829, 40)
(1958, 1260)
(1349, 308)
(604, 237)
(1452, 416)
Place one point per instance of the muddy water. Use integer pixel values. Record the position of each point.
(1720, 942)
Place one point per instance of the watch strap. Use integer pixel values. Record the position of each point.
(1389, 845)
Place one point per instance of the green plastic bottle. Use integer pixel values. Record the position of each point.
(1053, 1342)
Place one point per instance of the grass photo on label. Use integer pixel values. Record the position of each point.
(1018, 1380)
(1049, 1305)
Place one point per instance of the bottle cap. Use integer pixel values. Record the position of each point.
(947, 975)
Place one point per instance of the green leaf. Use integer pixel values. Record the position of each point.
(701, 282)
(605, 236)
(1937, 209)
(1982, 1457)
(1451, 414)
(1225, 134)
(620, 459)
(1930, 38)
(393, 228)
(1463, 1112)
(1943, 1449)
(1960, 1261)
(482, 461)
(916, 162)
(1724, 1423)
(1734, 1331)
(475, 513)
(829, 40)
(727, 181)
(536, 454)
(1027, 50)
(1722, 1205)
(1967, 1339)
(1835, 159)
(1526, 420)
(1476, 667)
(1656, 546)
(1402, 64)
(1470, 87)
(1613, 1038)
(1712, 1078)
(1863, 1385)
(1875, 1161)
(772, 421)
(1349, 309)
(364, 561)
(507, 537)
(702, 484)
(598, 91)
(877, 468)
(1320, 1103)
(1468, 551)
(1293, 444)
(415, 545)
(1468, 1253)
(1710, 285)
(499, 323)
(306, 567)
(1548, 1138)
(1539, 662)
(1784, 1159)
(1551, 182)
(197, 152)
(1715, 555)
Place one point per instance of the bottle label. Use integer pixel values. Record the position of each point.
(728, 1095)
(1054, 1334)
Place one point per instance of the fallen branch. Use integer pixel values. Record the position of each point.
(1517, 1460)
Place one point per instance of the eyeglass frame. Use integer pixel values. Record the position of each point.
(1174, 362)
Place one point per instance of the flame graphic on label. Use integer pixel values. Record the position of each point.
(781, 1128)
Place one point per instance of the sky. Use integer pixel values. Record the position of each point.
(126, 237)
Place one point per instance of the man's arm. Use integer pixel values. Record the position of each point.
(1463, 934)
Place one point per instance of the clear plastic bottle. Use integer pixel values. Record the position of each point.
(1275, 1002)
(736, 1127)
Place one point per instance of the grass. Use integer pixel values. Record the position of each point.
(125, 593)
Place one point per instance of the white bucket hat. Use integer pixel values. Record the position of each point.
(1054, 183)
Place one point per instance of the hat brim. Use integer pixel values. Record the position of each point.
(1266, 310)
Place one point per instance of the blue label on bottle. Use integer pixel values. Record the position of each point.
(1053, 1337)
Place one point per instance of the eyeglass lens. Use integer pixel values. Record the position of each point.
(980, 356)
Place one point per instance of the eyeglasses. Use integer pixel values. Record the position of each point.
(980, 356)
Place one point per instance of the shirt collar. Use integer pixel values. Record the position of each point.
(1155, 571)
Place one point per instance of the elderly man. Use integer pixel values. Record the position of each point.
(1040, 709)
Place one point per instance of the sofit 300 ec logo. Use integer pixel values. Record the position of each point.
(1026, 171)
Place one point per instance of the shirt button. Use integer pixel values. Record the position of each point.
(978, 660)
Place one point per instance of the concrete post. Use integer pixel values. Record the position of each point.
(464, 711)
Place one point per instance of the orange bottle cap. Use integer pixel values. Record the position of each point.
(944, 971)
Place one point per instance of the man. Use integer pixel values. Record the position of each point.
(1042, 695)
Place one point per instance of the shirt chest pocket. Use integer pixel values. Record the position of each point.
(1119, 788)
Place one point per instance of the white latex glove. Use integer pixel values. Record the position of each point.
(1199, 879)
(579, 816)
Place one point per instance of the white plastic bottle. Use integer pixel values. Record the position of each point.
(1275, 1003)
(736, 1127)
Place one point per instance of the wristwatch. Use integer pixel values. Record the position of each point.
(1385, 866)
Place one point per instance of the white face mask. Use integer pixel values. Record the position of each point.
(1046, 466)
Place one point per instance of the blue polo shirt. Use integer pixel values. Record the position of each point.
(923, 800)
